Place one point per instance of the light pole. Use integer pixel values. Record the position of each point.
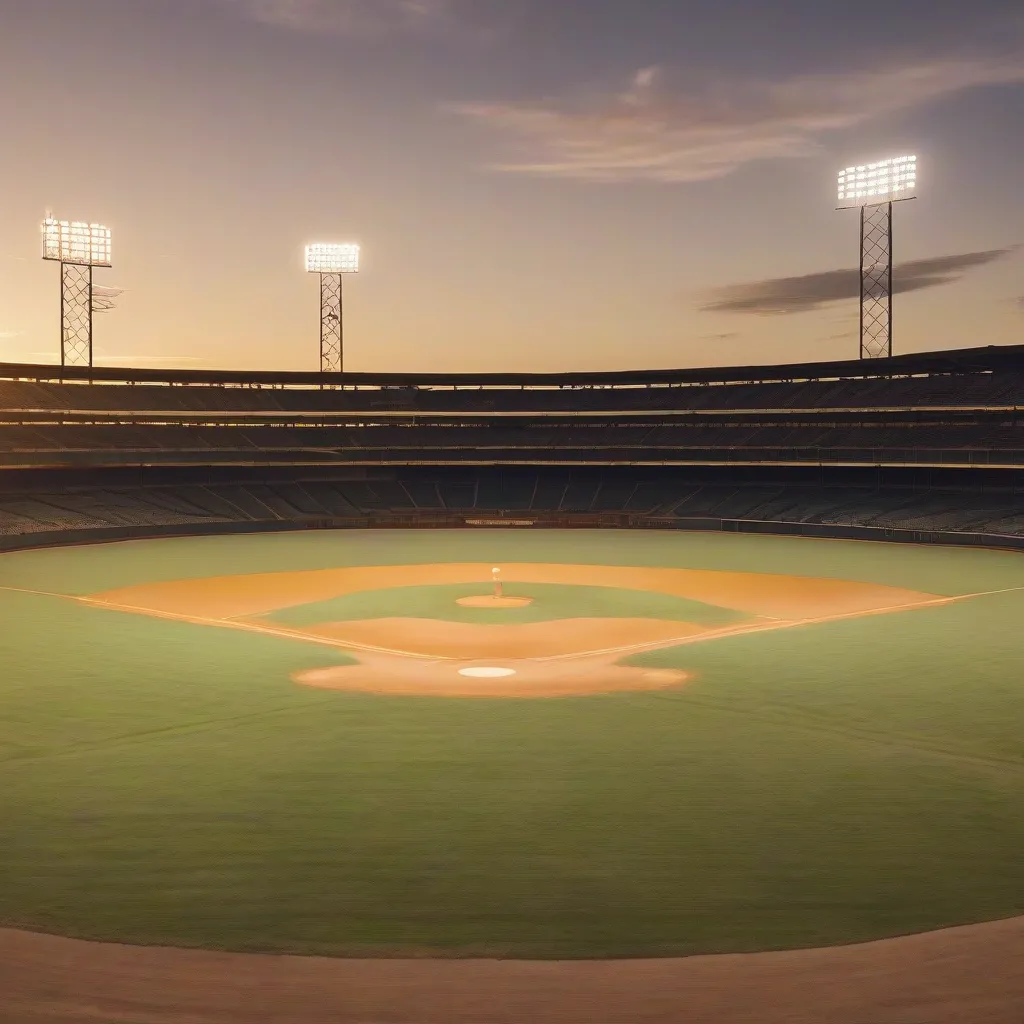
(77, 247)
(873, 188)
(332, 262)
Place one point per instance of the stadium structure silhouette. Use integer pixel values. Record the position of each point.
(915, 447)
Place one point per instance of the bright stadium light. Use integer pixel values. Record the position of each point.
(872, 188)
(86, 245)
(884, 181)
(332, 260)
(78, 247)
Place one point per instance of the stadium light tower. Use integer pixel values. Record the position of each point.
(873, 188)
(77, 247)
(332, 262)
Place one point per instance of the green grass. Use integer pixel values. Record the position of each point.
(550, 601)
(165, 782)
(90, 568)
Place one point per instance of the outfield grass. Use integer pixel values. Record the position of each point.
(165, 782)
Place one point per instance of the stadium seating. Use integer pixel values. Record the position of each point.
(902, 447)
(498, 494)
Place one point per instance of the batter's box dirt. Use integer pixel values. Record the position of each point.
(511, 677)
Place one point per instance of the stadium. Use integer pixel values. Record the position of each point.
(578, 693)
(918, 447)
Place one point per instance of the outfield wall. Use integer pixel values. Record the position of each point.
(605, 521)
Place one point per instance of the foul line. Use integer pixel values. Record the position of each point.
(763, 627)
(39, 593)
(252, 627)
(987, 593)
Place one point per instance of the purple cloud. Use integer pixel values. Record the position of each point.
(347, 17)
(662, 130)
(782, 296)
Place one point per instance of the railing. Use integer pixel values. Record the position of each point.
(517, 520)
(482, 455)
(355, 417)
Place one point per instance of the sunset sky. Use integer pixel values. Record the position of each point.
(536, 184)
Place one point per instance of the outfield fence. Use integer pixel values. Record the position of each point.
(521, 521)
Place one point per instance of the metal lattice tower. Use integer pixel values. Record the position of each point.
(876, 281)
(78, 247)
(332, 332)
(76, 306)
(332, 261)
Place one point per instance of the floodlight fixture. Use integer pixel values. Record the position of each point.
(77, 246)
(873, 188)
(86, 245)
(332, 260)
(885, 181)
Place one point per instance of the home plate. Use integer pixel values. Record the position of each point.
(487, 673)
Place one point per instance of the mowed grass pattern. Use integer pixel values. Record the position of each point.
(165, 782)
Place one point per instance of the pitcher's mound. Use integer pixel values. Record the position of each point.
(490, 601)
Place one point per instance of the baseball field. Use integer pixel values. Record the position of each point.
(654, 744)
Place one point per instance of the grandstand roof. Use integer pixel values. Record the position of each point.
(991, 358)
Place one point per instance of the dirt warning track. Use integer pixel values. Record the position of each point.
(957, 976)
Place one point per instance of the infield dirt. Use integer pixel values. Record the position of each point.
(556, 658)
(758, 594)
(462, 640)
(578, 676)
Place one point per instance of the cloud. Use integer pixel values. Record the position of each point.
(782, 296)
(348, 17)
(103, 297)
(8, 335)
(664, 130)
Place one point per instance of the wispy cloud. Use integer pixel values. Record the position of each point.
(348, 17)
(103, 297)
(782, 296)
(666, 130)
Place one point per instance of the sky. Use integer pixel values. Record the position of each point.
(537, 185)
